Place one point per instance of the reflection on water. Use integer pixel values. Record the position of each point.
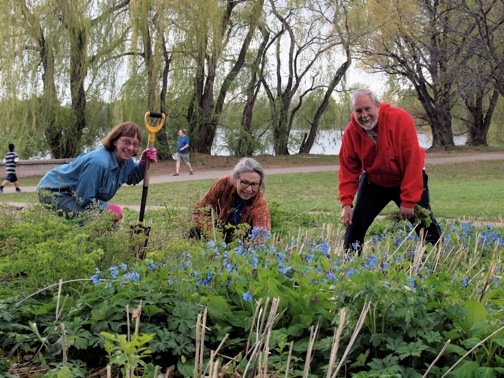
(328, 142)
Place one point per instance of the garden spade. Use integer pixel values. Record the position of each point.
(153, 130)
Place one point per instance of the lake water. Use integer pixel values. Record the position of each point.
(328, 142)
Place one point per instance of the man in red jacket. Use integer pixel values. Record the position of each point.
(382, 161)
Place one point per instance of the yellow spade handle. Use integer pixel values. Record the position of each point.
(153, 130)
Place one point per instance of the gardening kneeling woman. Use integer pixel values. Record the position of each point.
(93, 178)
(234, 199)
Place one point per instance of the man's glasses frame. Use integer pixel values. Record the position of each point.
(246, 184)
(128, 142)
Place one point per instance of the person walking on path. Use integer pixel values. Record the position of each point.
(93, 178)
(10, 160)
(382, 161)
(182, 152)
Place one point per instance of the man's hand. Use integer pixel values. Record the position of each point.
(346, 215)
(406, 212)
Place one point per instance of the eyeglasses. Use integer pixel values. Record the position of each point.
(128, 142)
(246, 184)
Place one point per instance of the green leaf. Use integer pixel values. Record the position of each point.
(413, 349)
(499, 341)
(471, 342)
(467, 369)
(456, 350)
(361, 360)
(486, 372)
(475, 312)
(385, 365)
(217, 307)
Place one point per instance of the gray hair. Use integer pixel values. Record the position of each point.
(246, 165)
(362, 92)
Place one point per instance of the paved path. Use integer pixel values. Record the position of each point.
(203, 175)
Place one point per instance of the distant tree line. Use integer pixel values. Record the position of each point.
(260, 69)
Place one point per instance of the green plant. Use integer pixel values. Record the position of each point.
(129, 355)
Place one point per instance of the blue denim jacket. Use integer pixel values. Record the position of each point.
(94, 176)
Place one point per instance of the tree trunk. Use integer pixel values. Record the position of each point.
(205, 110)
(307, 143)
(479, 121)
(78, 73)
(245, 146)
(437, 113)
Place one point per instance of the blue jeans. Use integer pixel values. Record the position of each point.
(63, 203)
(371, 199)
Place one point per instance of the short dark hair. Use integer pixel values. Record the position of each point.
(11, 147)
(127, 129)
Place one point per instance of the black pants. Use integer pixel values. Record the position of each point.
(371, 199)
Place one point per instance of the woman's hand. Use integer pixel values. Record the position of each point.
(148, 153)
(115, 209)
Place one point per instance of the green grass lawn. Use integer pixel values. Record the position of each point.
(470, 190)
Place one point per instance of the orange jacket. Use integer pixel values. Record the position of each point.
(220, 197)
(396, 159)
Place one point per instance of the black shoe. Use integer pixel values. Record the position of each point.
(18, 190)
(191, 173)
(175, 174)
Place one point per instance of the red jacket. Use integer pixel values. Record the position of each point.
(220, 197)
(396, 159)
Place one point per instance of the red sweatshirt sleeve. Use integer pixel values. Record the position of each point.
(411, 160)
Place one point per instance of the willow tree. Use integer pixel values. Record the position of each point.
(218, 34)
(481, 69)
(154, 39)
(303, 56)
(343, 28)
(54, 53)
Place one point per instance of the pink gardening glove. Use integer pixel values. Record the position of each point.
(115, 209)
(148, 153)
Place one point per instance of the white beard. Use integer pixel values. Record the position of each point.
(368, 125)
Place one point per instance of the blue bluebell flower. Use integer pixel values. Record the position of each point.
(248, 296)
(330, 275)
(412, 283)
(285, 270)
(397, 241)
(324, 248)
(113, 272)
(132, 276)
(350, 272)
(95, 279)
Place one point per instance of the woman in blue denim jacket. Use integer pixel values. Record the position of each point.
(93, 178)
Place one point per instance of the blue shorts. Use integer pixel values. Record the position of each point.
(11, 177)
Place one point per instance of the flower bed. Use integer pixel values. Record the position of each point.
(262, 306)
